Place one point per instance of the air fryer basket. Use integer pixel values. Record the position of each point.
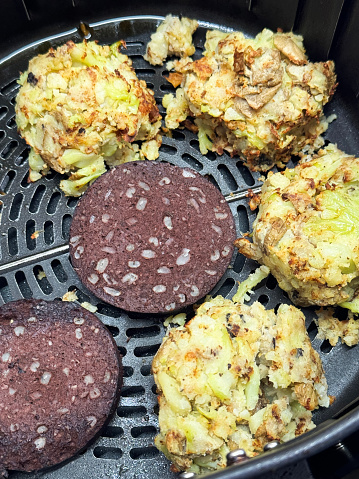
(35, 217)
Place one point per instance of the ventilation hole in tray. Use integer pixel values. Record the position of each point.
(59, 271)
(130, 45)
(132, 391)
(51, 175)
(2, 135)
(156, 409)
(192, 162)
(150, 85)
(245, 173)
(145, 332)
(326, 347)
(30, 234)
(143, 431)
(5, 290)
(167, 88)
(271, 282)
(213, 181)
(3, 112)
(23, 285)
(22, 158)
(263, 299)
(113, 330)
(72, 201)
(136, 58)
(42, 280)
(25, 183)
(11, 123)
(122, 350)
(127, 371)
(195, 145)
(36, 199)
(13, 246)
(10, 88)
(146, 370)
(81, 296)
(9, 148)
(112, 431)
(178, 135)
(239, 263)
(160, 107)
(226, 287)
(211, 155)
(144, 452)
(243, 221)
(228, 177)
(16, 206)
(7, 181)
(312, 330)
(108, 310)
(49, 236)
(103, 452)
(167, 149)
(65, 227)
(144, 73)
(154, 389)
(145, 351)
(131, 411)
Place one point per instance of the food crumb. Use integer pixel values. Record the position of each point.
(89, 306)
(70, 296)
(41, 275)
(333, 329)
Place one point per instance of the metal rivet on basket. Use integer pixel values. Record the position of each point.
(187, 475)
(85, 30)
(236, 457)
(271, 445)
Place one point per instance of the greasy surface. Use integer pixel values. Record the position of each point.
(81, 106)
(235, 376)
(257, 98)
(60, 379)
(151, 237)
(306, 230)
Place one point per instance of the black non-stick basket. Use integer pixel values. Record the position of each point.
(35, 217)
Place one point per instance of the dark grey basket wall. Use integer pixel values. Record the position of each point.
(329, 26)
(125, 450)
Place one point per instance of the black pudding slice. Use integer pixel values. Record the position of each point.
(61, 375)
(151, 237)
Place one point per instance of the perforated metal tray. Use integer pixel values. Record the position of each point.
(125, 448)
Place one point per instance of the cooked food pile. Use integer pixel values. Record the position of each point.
(61, 375)
(307, 229)
(235, 376)
(81, 107)
(151, 237)
(172, 37)
(258, 98)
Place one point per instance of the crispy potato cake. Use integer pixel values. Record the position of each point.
(235, 376)
(82, 106)
(172, 37)
(307, 229)
(258, 98)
